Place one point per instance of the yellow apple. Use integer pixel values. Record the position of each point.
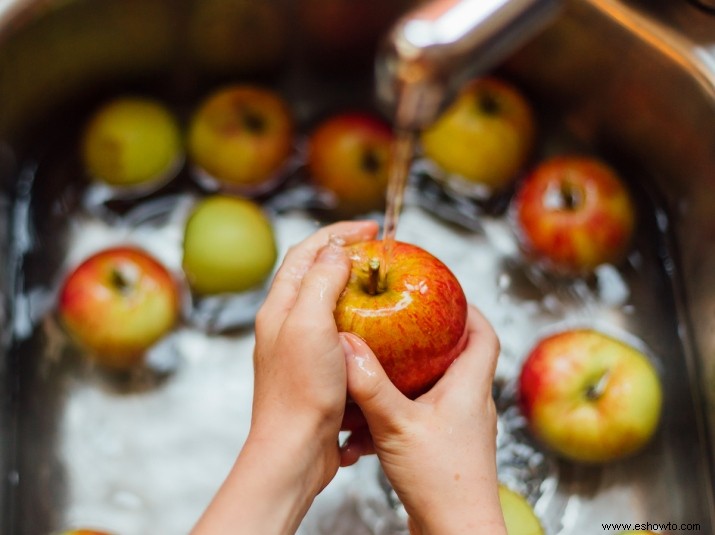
(131, 141)
(485, 136)
(518, 514)
(589, 397)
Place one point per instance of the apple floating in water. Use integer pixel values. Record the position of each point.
(229, 246)
(412, 313)
(241, 136)
(589, 397)
(131, 142)
(572, 214)
(518, 514)
(485, 136)
(349, 156)
(118, 303)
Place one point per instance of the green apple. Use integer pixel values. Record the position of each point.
(572, 214)
(412, 315)
(229, 246)
(241, 136)
(518, 514)
(131, 141)
(485, 136)
(117, 303)
(589, 397)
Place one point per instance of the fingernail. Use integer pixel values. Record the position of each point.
(358, 354)
(347, 346)
(336, 241)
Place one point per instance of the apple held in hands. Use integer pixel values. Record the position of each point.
(413, 316)
(573, 214)
(590, 397)
(485, 136)
(229, 246)
(349, 156)
(241, 136)
(117, 303)
(130, 142)
(519, 517)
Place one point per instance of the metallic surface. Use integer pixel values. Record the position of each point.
(143, 456)
(434, 48)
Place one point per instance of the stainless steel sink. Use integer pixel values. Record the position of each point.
(634, 82)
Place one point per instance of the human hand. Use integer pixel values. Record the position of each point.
(292, 450)
(438, 451)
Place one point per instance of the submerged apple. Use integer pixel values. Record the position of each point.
(349, 156)
(131, 141)
(412, 314)
(573, 213)
(485, 136)
(590, 397)
(241, 135)
(117, 303)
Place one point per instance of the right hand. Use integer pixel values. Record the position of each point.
(438, 451)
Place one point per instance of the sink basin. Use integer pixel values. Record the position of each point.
(633, 82)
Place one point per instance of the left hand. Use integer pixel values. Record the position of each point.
(300, 375)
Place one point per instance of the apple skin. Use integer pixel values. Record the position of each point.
(518, 514)
(131, 141)
(416, 324)
(486, 136)
(229, 246)
(589, 397)
(85, 532)
(349, 155)
(241, 135)
(117, 303)
(572, 214)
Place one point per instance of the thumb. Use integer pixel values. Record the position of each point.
(368, 384)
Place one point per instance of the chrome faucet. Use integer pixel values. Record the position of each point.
(435, 47)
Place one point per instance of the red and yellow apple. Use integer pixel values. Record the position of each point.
(518, 514)
(349, 156)
(573, 213)
(131, 141)
(241, 136)
(412, 313)
(229, 246)
(117, 303)
(589, 397)
(485, 136)
(84, 532)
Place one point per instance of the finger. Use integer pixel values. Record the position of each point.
(473, 370)
(368, 385)
(358, 444)
(286, 283)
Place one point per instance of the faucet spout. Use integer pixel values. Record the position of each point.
(438, 45)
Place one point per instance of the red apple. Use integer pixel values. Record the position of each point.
(485, 136)
(573, 213)
(349, 156)
(84, 532)
(241, 136)
(590, 397)
(117, 303)
(413, 317)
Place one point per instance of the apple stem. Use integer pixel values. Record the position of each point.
(595, 391)
(373, 281)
